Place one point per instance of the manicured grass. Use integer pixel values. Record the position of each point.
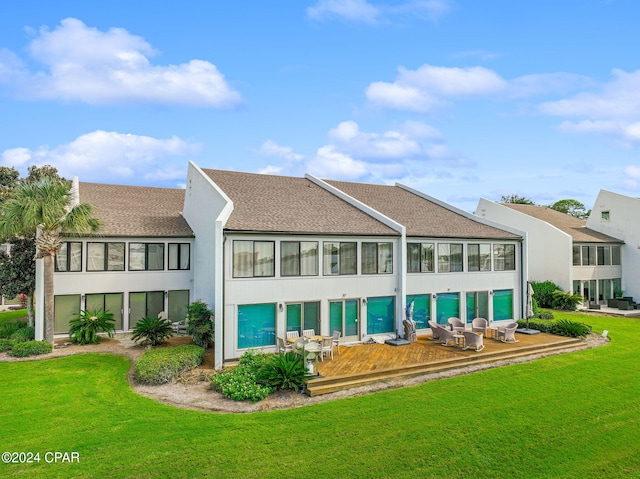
(11, 315)
(573, 415)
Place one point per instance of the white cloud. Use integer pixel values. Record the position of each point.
(620, 98)
(110, 157)
(392, 155)
(392, 144)
(272, 149)
(330, 163)
(361, 11)
(429, 86)
(270, 170)
(631, 180)
(113, 67)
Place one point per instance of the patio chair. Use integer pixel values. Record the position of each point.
(456, 324)
(327, 348)
(283, 346)
(293, 334)
(446, 337)
(309, 332)
(435, 330)
(336, 340)
(479, 325)
(508, 333)
(473, 340)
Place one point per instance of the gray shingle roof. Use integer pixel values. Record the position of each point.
(137, 210)
(574, 227)
(420, 216)
(269, 203)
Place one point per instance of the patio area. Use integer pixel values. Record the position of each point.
(363, 363)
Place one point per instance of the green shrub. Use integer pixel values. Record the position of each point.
(543, 293)
(284, 371)
(200, 323)
(240, 383)
(560, 327)
(30, 348)
(84, 328)
(24, 334)
(162, 365)
(5, 345)
(152, 330)
(565, 301)
(10, 327)
(564, 327)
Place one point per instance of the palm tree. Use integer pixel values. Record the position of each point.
(43, 209)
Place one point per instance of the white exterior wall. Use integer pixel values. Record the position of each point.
(468, 281)
(549, 250)
(90, 282)
(206, 209)
(623, 223)
(283, 290)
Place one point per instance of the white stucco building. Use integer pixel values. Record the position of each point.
(272, 254)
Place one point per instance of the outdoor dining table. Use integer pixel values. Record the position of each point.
(311, 349)
(317, 338)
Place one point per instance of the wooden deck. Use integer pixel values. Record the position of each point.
(362, 364)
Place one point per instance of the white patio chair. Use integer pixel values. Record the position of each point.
(293, 334)
(283, 346)
(508, 333)
(473, 340)
(479, 325)
(308, 332)
(435, 330)
(336, 339)
(327, 348)
(456, 324)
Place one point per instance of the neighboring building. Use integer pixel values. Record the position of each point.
(619, 215)
(563, 249)
(272, 254)
(138, 264)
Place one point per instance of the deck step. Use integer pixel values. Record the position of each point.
(327, 385)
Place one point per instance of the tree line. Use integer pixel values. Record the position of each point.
(568, 206)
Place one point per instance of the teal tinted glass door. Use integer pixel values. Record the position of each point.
(381, 315)
(502, 304)
(343, 316)
(447, 306)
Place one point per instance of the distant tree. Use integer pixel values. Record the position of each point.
(516, 199)
(36, 173)
(571, 207)
(8, 179)
(18, 272)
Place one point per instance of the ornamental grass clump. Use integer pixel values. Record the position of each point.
(24, 334)
(84, 328)
(240, 383)
(10, 327)
(163, 365)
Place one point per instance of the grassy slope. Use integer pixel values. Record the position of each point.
(574, 415)
(11, 315)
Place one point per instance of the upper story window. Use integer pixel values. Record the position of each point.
(504, 257)
(603, 255)
(340, 258)
(576, 256)
(420, 258)
(179, 254)
(479, 257)
(605, 215)
(69, 257)
(449, 257)
(146, 256)
(253, 259)
(588, 256)
(377, 258)
(105, 256)
(299, 258)
(615, 255)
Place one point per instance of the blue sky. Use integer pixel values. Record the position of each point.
(457, 98)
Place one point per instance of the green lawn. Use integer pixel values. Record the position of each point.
(11, 315)
(573, 415)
